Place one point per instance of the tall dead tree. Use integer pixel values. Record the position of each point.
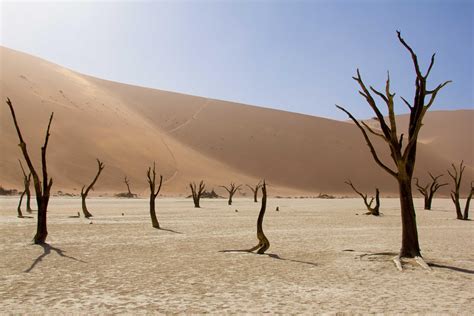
(100, 166)
(197, 192)
(231, 190)
(263, 242)
(428, 191)
(151, 175)
(368, 204)
(42, 188)
(456, 175)
(255, 190)
(26, 183)
(403, 156)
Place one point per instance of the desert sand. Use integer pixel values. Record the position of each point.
(330, 259)
(193, 138)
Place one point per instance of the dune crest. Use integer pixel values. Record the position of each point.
(193, 138)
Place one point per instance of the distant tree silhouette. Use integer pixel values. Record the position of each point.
(100, 166)
(231, 190)
(403, 156)
(428, 191)
(197, 192)
(375, 210)
(42, 188)
(255, 190)
(129, 193)
(127, 183)
(456, 175)
(26, 183)
(151, 175)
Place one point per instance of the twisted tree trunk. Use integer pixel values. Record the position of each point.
(84, 194)
(263, 242)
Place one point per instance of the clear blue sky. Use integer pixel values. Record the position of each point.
(293, 55)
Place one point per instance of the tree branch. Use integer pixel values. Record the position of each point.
(369, 143)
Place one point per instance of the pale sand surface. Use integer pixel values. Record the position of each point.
(120, 264)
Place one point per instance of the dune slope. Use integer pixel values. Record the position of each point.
(193, 138)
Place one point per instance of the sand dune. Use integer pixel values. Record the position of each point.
(194, 138)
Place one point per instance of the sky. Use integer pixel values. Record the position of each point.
(297, 56)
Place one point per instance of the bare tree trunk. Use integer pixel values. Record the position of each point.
(20, 214)
(41, 228)
(428, 194)
(468, 202)
(428, 200)
(26, 183)
(86, 212)
(263, 242)
(255, 190)
(457, 205)
(154, 220)
(128, 186)
(84, 193)
(151, 175)
(455, 194)
(231, 190)
(42, 188)
(410, 247)
(371, 210)
(197, 192)
(28, 199)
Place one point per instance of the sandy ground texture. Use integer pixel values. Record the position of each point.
(325, 258)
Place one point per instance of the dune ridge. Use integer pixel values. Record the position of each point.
(193, 138)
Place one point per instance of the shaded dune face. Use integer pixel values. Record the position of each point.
(193, 138)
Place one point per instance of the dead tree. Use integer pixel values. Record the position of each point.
(151, 175)
(26, 182)
(403, 156)
(255, 190)
(231, 190)
(429, 189)
(456, 175)
(263, 242)
(20, 214)
(127, 183)
(197, 192)
(368, 204)
(42, 188)
(100, 166)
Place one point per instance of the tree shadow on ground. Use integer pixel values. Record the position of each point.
(442, 266)
(170, 230)
(271, 255)
(46, 251)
